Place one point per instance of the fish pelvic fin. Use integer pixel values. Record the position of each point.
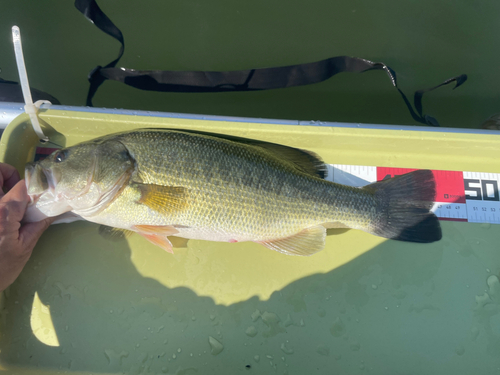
(163, 199)
(160, 230)
(404, 204)
(305, 243)
(157, 235)
(159, 240)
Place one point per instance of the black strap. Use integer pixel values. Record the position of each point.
(238, 80)
(11, 91)
(94, 14)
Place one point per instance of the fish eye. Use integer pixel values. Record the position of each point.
(60, 156)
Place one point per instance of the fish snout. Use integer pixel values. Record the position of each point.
(36, 179)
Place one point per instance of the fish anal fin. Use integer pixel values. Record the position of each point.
(307, 242)
(113, 234)
(163, 199)
(158, 240)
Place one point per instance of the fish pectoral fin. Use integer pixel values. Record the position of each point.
(159, 240)
(113, 234)
(307, 242)
(163, 199)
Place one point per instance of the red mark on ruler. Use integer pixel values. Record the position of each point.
(449, 184)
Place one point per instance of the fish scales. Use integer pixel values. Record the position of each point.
(235, 188)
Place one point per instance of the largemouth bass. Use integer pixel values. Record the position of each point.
(161, 183)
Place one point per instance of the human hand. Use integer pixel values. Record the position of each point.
(16, 240)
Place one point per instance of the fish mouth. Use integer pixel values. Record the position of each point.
(38, 181)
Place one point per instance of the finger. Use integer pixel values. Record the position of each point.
(9, 176)
(16, 201)
(31, 232)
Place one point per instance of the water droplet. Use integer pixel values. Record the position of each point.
(255, 315)
(269, 356)
(215, 345)
(338, 328)
(323, 350)
(288, 321)
(387, 308)
(355, 347)
(493, 282)
(251, 331)
(179, 350)
(174, 356)
(483, 300)
(374, 286)
(273, 322)
(460, 350)
(286, 350)
(256, 358)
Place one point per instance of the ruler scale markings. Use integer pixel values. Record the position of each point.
(460, 196)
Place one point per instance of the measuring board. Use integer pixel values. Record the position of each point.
(460, 196)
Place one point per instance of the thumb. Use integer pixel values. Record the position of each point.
(31, 232)
(17, 199)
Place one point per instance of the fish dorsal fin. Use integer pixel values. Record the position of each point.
(113, 234)
(307, 242)
(305, 161)
(163, 199)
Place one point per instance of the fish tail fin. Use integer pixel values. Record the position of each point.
(404, 204)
